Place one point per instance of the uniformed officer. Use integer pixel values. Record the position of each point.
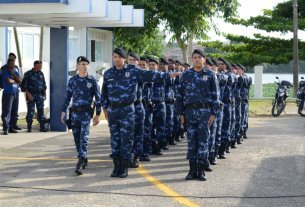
(10, 99)
(178, 129)
(34, 85)
(198, 104)
(169, 98)
(225, 67)
(245, 92)
(234, 89)
(82, 88)
(222, 80)
(186, 66)
(15, 116)
(209, 65)
(133, 59)
(118, 97)
(148, 106)
(238, 102)
(158, 135)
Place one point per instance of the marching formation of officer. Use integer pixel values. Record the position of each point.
(151, 103)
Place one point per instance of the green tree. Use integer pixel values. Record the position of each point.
(188, 20)
(262, 49)
(146, 40)
(183, 19)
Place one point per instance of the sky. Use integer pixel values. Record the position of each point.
(247, 9)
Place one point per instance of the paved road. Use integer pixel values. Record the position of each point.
(267, 170)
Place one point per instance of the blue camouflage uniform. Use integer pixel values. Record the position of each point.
(158, 134)
(197, 100)
(227, 110)
(247, 85)
(148, 106)
(233, 115)
(82, 90)
(35, 84)
(222, 79)
(176, 116)
(118, 97)
(238, 108)
(169, 101)
(139, 123)
(10, 99)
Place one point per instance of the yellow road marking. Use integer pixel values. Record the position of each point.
(47, 159)
(166, 189)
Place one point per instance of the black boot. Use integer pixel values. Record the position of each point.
(5, 132)
(124, 169)
(221, 151)
(245, 135)
(159, 148)
(154, 148)
(79, 165)
(135, 162)
(233, 144)
(29, 126)
(116, 169)
(85, 163)
(213, 160)
(42, 128)
(201, 173)
(239, 140)
(193, 171)
(177, 138)
(172, 140)
(165, 147)
(208, 167)
(228, 148)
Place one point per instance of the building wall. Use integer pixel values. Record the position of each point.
(80, 41)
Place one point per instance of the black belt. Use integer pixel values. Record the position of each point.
(139, 101)
(120, 105)
(171, 101)
(238, 99)
(148, 103)
(245, 100)
(227, 101)
(81, 109)
(157, 101)
(34, 90)
(197, 106)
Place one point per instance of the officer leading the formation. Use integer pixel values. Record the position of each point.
(198, 104)
(82, 88)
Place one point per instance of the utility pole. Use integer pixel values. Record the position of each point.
(295, 47)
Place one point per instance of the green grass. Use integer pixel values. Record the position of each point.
(268, 90)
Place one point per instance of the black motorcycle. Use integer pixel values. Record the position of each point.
(301, 97)
(281, 95)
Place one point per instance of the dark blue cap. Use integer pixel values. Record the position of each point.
(82, 59)
(134, 55)
(120, 52)
(152, 59)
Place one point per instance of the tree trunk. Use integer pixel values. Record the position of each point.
(184, 53)
(190, 48)
(18, 50)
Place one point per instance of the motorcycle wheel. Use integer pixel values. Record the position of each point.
(301, 108)
(278, 108)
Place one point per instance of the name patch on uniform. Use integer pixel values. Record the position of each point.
(205, 78)
(127, 74)
(89, 85)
